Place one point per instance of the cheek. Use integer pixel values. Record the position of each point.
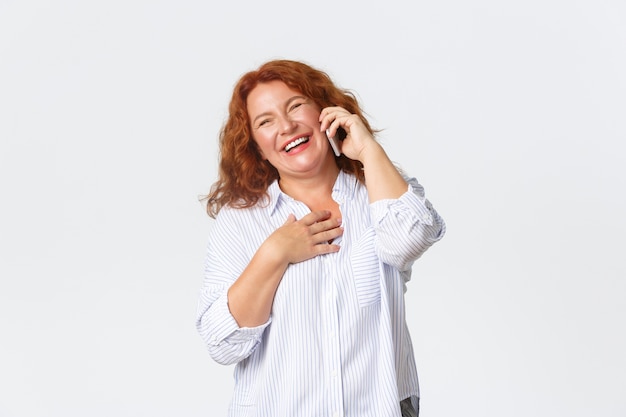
(309, 116)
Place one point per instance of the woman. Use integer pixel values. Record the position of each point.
(309, 255)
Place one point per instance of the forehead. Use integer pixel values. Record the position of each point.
(270, 93)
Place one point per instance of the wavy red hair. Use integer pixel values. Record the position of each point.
(244, 175)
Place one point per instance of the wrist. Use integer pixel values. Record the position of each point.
(372, 153)
(272, 253)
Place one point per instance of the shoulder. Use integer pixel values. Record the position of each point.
(243, 220)
(234, 215)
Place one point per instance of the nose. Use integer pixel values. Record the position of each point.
(286, 124)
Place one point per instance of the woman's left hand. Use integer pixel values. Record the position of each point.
(358, 139)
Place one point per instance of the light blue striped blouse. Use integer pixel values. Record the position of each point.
(336, 343)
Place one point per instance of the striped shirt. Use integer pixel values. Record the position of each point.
(336, 343)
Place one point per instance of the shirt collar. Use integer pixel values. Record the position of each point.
(344, 189)
(275, 194)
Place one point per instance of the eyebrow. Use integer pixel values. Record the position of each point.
(287, 103)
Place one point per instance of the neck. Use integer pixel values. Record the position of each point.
(304, 189)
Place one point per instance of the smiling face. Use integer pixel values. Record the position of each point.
(285, 125)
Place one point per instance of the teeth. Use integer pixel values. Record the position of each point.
(295, 143)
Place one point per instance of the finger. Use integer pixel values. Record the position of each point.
(290, 219)
(328, 235)
(323, 249)
(345, 121)
(326, 111)
(329, 114)
(324, 226)
(315, 217)
(335, 125)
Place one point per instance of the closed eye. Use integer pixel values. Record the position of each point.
(263, 122)
(295, 106)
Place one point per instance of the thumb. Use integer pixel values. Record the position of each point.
(290, 219)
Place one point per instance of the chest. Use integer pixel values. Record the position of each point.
(345, 280)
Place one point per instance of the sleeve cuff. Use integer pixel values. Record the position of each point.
(413, 200)
(225, 326)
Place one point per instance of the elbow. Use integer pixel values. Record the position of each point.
(226, 350)
(431, 234)
(427, 236)
(224, 358)
(225, 353)
(402, 253)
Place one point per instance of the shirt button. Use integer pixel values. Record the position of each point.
(334, 373)
(336, 414)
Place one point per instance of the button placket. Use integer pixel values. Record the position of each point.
(333, 350)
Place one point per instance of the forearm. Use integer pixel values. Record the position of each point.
(382, 179)
(251, 296)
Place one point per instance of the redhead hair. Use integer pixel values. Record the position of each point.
(244, 175)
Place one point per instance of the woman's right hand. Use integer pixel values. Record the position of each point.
(298, 240)
(251, 296)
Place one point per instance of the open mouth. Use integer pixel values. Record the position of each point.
(296, 143)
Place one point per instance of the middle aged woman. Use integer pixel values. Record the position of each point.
(309, 257)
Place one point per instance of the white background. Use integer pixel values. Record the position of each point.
(511, 114)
